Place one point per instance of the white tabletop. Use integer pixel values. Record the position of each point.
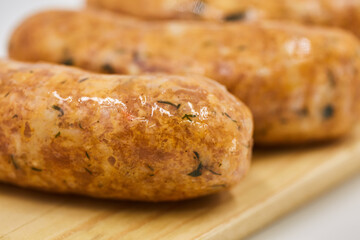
(335, 216)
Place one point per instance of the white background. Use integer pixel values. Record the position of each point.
(335, 216)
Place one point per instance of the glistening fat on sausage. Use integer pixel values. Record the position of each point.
(302, 84)
(148, 138)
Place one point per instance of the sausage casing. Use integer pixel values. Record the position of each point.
(149, 138)
(338, 13)
(302, 84)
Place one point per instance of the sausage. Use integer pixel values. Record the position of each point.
(155, 9)
(338, 13)
(147, 138)
(302, 84)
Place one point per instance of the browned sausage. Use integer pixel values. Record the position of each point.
(148, 138)
(338, 13)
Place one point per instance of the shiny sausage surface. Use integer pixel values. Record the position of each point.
(338, 13)
(148, 138)
(302, 84)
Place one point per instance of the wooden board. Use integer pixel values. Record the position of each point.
(280, 180)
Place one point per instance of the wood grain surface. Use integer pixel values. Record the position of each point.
(280, 181)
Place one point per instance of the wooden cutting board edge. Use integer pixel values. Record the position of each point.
(269, 210)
